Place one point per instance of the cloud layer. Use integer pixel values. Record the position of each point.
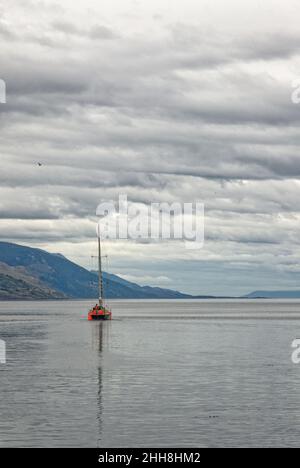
(182, 102)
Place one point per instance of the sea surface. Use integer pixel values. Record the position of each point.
(207, 373)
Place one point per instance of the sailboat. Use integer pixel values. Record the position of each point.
(100, 311)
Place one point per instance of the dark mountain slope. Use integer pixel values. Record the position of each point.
(57, 273)
(15, 283)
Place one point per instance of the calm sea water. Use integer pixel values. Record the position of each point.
(161, 374)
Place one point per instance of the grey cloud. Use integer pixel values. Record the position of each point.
(183, 114)
(205, 50)
(97, 31)
(279, 45)
(66, 27)
(102, 32)
(6, 33)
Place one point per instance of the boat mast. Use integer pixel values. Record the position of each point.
(100, 271)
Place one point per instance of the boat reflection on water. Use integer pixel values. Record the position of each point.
(100, 343)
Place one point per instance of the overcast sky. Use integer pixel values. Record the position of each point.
(164, 101)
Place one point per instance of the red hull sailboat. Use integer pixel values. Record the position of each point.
(100, 311)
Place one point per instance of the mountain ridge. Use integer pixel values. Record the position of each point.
(32, 273)
(276, 294)
(66, 279)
